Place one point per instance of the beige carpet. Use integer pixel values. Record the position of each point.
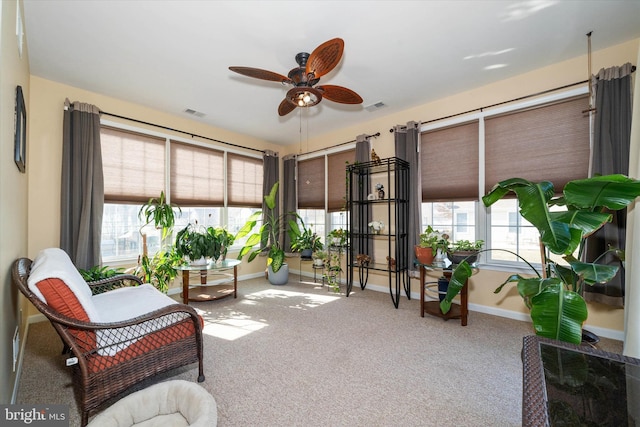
(298, 355)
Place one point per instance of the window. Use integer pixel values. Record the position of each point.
(551, 142)
(457, 219)
(314, 219)
(337, 172)
(313, 176)
(212, 186)
(547, 141)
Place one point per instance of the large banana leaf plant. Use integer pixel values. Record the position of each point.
(554, 298)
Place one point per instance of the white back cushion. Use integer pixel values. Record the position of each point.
(55, 263)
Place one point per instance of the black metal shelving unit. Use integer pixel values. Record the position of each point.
(389, 250)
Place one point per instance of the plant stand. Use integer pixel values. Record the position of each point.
(458, 311)
(204, 292)
(388, 251)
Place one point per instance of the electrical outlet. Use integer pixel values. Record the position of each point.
(16, 347)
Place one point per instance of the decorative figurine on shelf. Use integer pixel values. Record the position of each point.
(392, 262)
(363, 260)
(374, 157)
(380, 189)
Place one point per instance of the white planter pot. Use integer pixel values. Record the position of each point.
(201, 261)
(281, 277)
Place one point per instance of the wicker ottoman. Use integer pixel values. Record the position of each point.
(171, 403)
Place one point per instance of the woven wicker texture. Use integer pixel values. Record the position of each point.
(114, 357)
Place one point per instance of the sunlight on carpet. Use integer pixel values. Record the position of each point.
(300, 300)
(235, 324)
(232, 329)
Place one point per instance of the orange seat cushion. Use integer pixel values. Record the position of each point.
(62, 299)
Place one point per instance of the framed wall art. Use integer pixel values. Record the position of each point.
(20, 141)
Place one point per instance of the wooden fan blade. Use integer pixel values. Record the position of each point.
(339, 94)
(285, 107)
(261, 74)
(325, 57)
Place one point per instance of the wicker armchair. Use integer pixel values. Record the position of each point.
(112, 358)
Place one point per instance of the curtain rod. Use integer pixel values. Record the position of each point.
(375, 135)
(633, 68)
(502, 103)
(181, 131)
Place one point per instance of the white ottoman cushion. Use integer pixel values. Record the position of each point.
(171, 403)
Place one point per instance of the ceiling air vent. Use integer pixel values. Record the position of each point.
(374, 107)
(194, 112)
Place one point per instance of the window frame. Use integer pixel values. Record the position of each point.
(329, 225)
(483, 214)
(167, 183)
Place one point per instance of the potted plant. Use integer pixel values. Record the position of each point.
(333, 269)
(464, 249)
(225, 238)
(98, 272)
(319, 257)
(376, 226)
(196, 243)
(554, 298)
(430, 242)
(268, 237)
(304, 240)
(161, 214)
(337, 237)
(157, 270)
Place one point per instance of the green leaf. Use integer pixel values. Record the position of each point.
(277, 259)
(270, 199)
(593, 273)
(459, 277)
(559, 314)
(530, 287)
(613, 192)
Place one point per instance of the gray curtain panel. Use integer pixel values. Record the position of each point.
(407, 147)
(362, 244)
(289, 195)
(82, 193)
(271, 167)
(610, 155)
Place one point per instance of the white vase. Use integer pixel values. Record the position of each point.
(201, 261)
(281, 277)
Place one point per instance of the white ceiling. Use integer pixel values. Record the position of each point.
(174, 55)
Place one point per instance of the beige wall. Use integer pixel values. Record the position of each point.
(13, 190)
(568, 72)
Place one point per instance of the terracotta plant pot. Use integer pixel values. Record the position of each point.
(424, 255)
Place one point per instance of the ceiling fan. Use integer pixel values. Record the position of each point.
(304, 77)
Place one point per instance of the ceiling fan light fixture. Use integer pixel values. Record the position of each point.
(304, 96)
